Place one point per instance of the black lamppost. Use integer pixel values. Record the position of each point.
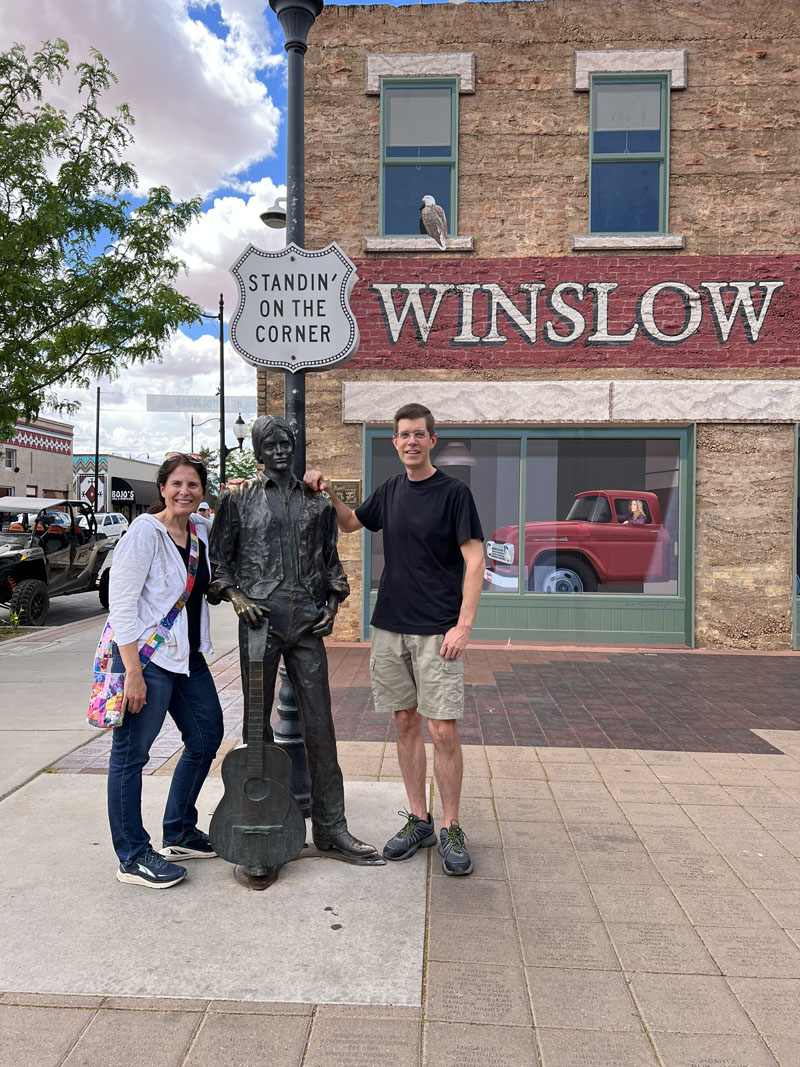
(296, 18)
(223, 451)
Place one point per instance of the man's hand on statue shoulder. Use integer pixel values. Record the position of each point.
(324, 626)
(247, 609)
(316, 480)
(455, 641)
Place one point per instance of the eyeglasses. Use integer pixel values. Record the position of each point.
(192, 457)
(405, 435)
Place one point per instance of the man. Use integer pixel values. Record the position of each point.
(205, 511)
(428, 596)
(273, 554)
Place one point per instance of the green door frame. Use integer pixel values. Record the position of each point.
(609, 618)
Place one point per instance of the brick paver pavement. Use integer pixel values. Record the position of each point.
(635, 825)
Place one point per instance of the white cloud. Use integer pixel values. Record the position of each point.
(202, 117)
(202, 113)
(190, 367)
(213, 242)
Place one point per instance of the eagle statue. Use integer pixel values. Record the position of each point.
(433, 221)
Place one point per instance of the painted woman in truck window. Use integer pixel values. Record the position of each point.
(636, 515)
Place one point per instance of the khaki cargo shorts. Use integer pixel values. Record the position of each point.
(408, 672)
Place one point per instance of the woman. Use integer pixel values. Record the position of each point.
(636, 515)
(148, 577)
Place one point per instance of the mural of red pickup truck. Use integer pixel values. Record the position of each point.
(608, 536)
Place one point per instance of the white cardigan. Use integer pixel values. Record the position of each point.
(148, 576)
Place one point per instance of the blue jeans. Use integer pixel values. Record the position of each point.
(193, 703)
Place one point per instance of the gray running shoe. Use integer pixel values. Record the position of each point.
(151, 870)
(453, 850)
(415, 834)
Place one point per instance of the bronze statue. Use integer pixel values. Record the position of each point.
(274, 557)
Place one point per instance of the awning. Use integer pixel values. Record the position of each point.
(132, 491)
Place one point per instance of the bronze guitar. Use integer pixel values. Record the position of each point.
(257, 824)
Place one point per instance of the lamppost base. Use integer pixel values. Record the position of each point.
(256, 877)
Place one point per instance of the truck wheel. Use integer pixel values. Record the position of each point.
(31, 601)
(102, 587)
(564, 576)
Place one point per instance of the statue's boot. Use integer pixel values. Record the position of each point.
(349, 848)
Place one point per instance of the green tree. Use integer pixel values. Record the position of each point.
(240, 463)
(86, 278)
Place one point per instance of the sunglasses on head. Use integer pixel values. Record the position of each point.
(192, 457)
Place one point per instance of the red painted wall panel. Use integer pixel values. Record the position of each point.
(632, 311)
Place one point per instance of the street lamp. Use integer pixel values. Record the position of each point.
(296, 18)
(193, 425)
(275, 217)
(239, 432)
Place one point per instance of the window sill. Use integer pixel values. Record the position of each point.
(591, 243)
(416, 244)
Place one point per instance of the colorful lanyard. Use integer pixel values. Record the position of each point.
(164, 627)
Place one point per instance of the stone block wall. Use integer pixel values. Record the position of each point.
(524, 133)
(745, 505)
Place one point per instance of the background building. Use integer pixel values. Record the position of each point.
(133, 483)
(37, 460)
(617, 307)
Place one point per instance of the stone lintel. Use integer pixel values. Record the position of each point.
(416, 244)
(459, 65)
(572, 402)
(623, 61)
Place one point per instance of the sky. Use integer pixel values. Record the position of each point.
(206, 82)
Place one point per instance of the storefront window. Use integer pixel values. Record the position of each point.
(602, 510)
(601, 515)
(489, 466)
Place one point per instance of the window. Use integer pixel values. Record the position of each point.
(488, 465)
(580, 535)
(11, 459)
(419, 124)
(629, 153)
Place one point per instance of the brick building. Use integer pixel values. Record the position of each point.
(37, 460)
(617, 307)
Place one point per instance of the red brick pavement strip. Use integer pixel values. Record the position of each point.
(669, 701)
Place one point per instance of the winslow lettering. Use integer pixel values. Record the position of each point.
(570, 307)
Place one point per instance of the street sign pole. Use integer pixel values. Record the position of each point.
(296, 18)
(96, 449)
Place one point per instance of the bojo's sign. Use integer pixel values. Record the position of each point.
(294, 308)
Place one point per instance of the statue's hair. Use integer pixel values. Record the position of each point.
(265, 428)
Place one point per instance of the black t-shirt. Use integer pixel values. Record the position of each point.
(424, 524)
(201, 582)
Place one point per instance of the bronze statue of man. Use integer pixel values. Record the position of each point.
(274, 557)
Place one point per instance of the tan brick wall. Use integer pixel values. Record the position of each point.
(523, 135)
(744, 573)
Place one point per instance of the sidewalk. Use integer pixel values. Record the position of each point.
(635, 824)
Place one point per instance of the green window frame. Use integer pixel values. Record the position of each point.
(612, 207)
(433, 172)
(610, 618)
